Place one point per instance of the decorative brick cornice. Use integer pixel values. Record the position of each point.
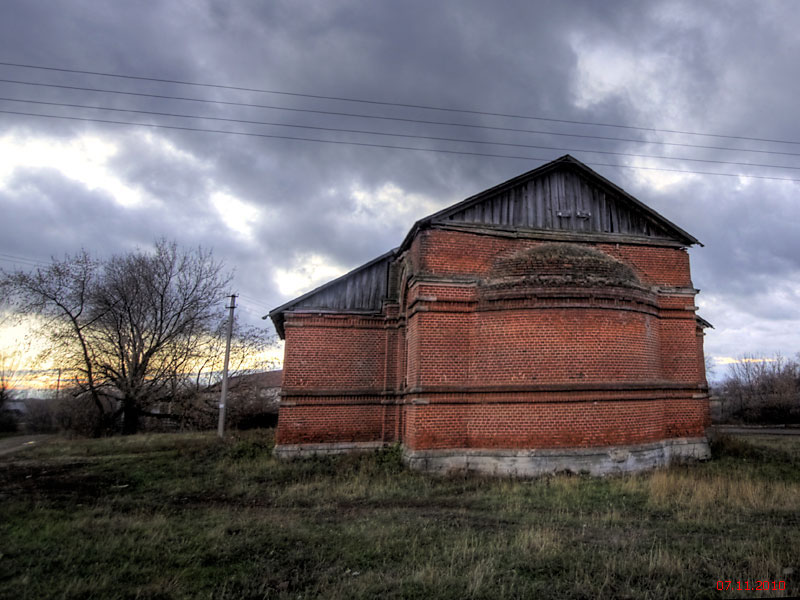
(338, 320)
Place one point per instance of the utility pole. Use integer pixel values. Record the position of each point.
(223, 398)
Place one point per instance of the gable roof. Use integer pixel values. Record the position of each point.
(361, 290)
(562, 195)
(562, 198)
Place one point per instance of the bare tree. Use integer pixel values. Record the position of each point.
(128, 326)
(12, 374)
(60, 294)
(8, 377)
(196, 399)
(763, 390)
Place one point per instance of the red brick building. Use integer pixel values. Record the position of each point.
(547, 323)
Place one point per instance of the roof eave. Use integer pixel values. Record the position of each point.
(276, 314)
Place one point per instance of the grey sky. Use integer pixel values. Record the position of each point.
(288, 215)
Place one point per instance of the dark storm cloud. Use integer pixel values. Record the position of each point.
(714, 66)
(53, 215)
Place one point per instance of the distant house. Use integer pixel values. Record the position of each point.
(547, 323)
(253, 398)
(263, 388)
(253, 401)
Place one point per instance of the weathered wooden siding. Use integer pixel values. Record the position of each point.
(361, 290)
(562, 201)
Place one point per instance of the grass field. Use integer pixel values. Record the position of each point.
(188, 516)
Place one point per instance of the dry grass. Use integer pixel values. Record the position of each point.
(170, 516)
(689, 495)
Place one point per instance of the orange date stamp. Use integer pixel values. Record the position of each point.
(751, 586)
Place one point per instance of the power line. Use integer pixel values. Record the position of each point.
(250, 309)
(253, 304)
(395, 119)
(16, 261)
(252, 312)
(252, 300)
(22, 259)
(398, 104)
(369, 145)
(400, 135)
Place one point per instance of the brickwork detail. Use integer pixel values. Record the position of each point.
(496, 342)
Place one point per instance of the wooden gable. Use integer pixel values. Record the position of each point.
(562, 196)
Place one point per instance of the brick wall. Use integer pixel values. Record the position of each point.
(340, 420)
(329, 352)
(555, 345)
(550, 425)
(460, 359)
(444, 252)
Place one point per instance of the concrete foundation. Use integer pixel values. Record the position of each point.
(290, 451)
(530, 463)
(527, 463)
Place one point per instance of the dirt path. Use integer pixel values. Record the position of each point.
(20, 442)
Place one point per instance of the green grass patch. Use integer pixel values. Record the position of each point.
(190, 516)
